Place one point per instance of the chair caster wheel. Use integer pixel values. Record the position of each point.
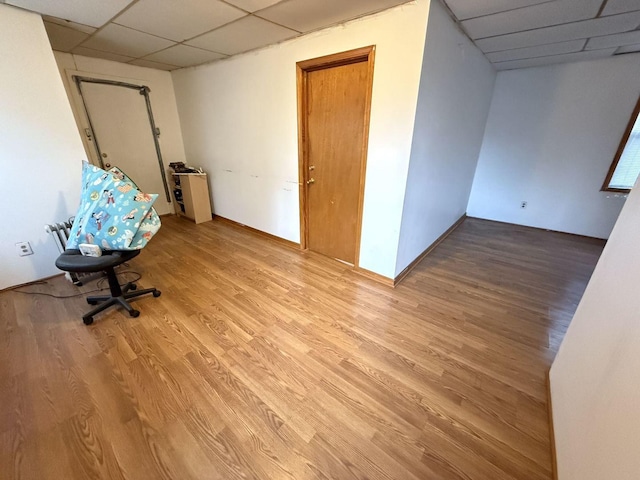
(134, 313)
(87, 320)
(92, 302)
(157, 293)
(133, 286)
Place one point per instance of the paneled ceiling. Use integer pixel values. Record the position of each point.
(527, 33)
(170, 34)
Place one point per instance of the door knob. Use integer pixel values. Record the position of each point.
(310, 181)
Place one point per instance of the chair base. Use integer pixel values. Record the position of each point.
(129, 292)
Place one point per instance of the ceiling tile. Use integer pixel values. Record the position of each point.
(184, 56)
(570, 57)
(308, 15)
(620, 6)
(619, 40)
(69, 24)
(63, 38)
(88, 12)
(539, 51)
(149, 64)
(125, 41)
(245, 34)
(629, 49)
(536, 16)
(178, 20)
(464, 9)
(561, 33)
(90, 52)
(253, 5)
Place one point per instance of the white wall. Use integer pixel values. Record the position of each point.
(239, 121)
(595, 381)
(163, 103)
(453, 104)
(551, 136)
(40, 149)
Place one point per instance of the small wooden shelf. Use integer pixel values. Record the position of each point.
(191, 195)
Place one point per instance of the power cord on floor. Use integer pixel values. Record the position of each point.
(100, 284)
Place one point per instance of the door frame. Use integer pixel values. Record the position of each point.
(155, 132)
(364, 54)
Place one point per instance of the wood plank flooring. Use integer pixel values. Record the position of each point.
(262, 362)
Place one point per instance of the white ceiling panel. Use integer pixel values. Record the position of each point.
(536, 16)
(561, 33)
(149, 64)
(629, 49)
(570, 57)
(89, 52)
(465, 9)
(620, 6)
(253, 5)
(245, 34)
(68, 24)
(178, 20)
(619, 40)
(184, 56)
(63, 38)
(125, 41)
(94, 13)
(539, 51)
(308, 15)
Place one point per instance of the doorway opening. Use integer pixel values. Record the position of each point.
(334, 105)
(119, 128)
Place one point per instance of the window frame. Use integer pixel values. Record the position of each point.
(621, 147)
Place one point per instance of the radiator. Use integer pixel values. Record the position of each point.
(60, 234)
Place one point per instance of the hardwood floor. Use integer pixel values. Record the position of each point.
(261, 362)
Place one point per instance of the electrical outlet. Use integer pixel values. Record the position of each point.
(24, 249)
(523, 205)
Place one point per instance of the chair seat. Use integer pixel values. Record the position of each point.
(73, 261)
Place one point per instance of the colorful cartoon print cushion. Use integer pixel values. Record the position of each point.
(111, 212)
(149, 224)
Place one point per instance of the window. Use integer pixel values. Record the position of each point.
(626, 165)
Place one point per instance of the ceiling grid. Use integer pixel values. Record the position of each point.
(171, 34)
(527, 33)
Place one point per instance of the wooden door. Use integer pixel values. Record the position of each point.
(336, 119)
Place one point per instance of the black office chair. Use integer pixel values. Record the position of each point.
(73, 261)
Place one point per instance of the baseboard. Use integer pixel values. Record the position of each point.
(587, 237)
(427, 251)
(281, 241)
(552, 434)
(32, 282)
(374, 276)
